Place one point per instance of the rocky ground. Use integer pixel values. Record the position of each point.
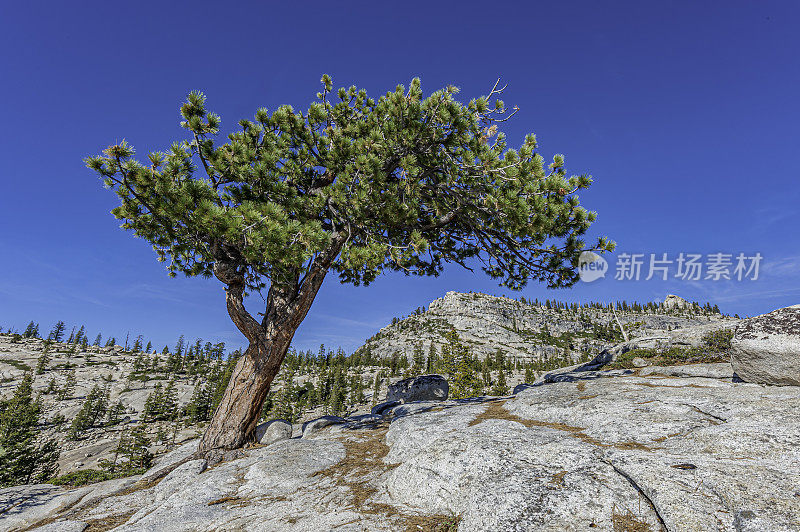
(674, 449)
(623, 442)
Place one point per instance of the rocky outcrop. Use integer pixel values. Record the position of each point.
(675, 302)
(422, 388)
(608, 453)
(766, 349)
(526, 331)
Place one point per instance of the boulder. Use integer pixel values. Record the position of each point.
(315, 425)
(766, 349)
(272, 431)
(521, 386)
(382, 408)
(422, 388)
(673, 301)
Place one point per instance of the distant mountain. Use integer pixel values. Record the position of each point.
(529, 331)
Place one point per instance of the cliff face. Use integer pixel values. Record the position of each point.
(527, 332)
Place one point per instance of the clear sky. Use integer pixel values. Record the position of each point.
(686, 114)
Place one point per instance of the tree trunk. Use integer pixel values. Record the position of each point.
(234, 421)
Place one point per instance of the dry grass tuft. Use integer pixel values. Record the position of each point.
(223, 499)
(101, 525)
(628, 522)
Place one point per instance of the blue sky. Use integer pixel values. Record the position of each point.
(685, 113)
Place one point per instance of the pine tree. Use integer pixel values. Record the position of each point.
(57, 333)
(500, 386)
(93, 410)
(23, 459)
(355, 185)
(31, 331)
(98, 339)
(68, 389)
(115, 413)
(41, 364)
(79, 336)
(376, 388)
(131, 456)
(464, 381)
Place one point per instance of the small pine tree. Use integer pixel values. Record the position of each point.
(98, 339)
(57, 333)
(41, 364)
(376, 388)
(500, 386)
(68, 389)
(79, 336)
(23, 459)
(115, 413)
(31, 331)
(93, 410)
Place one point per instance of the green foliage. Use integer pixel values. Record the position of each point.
(718, 340)
(57, 333)
(415, 182)
(500, 386)
(23, 459)
(90, 476)
(131, 455)
(68, 389)
(31, 331)
(41, 364)
(93, 410)
(16, 363)
(161, 404)
(461, 368)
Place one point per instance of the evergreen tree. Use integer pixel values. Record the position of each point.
(131, 456)
(23, 459)
(93, 410)
(31, 331)
(500, 386)
(98, 339)
(42, 362)
(57, 333)
(68, 389)
(161, 404)
(464, 381)
(115, 413)
(79, 336)
(376, 388)
(358, 186)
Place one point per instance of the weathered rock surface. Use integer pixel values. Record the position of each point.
(315, 425)
(272, 431)
(766, 349)
(422, 388)
(657, 452)
(487, 323)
